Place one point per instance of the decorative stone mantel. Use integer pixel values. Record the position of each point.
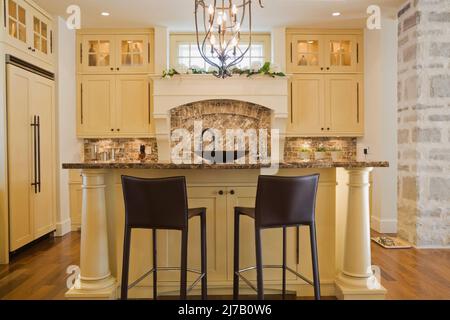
(180, 90)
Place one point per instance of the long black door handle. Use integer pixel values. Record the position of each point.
(39, 152)
(35, 184)
(298, 244)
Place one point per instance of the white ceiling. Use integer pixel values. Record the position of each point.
(178, 14)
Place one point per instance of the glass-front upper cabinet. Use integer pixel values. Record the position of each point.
(342, 53)
(28, 29)
(133, 53)
(324, 51)
(97, 54)
(306, 53)
(108, 53)
(16, 20)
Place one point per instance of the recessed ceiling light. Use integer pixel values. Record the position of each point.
(336, 14)
(105, 14)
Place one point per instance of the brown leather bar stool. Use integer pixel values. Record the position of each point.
(281, 202)
(161, 204)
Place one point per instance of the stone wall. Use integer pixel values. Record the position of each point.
(424, 122)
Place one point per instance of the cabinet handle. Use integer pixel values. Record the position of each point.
(118, 130)
(323, 129)
(112, 129)
(221, 192)
(118, 69)
(291, 54)
(51, 41)
(232, 192)
(328, 68)
(33, 125)
(81, 105)
(149, 103)
(148, 53)
(81, 53)
(39, 152)
(321, 68)
(4, 12)
(292, 103)
(357, 53)
(112, 69)
(328, 129)
(357, 102)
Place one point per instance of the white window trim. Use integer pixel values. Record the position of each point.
(176, 38)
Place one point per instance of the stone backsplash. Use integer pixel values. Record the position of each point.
(128, 149)
(293, 145)
(124, 149)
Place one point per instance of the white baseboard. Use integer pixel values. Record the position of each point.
(63, 228)
(383, 225)
(431, 247)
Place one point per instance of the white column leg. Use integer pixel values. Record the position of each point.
(356, 280)
(95, 281)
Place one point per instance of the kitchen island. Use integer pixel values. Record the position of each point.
(343, 230)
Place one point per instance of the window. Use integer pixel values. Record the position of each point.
(184, 51)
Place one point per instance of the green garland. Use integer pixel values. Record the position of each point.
(264, 70)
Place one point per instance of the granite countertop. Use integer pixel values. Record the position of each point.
(282, 165)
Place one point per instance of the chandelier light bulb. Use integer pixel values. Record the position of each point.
(234, 9)
(237, 27)
(212, 40)
(234, 42)
(211, 9)
(224, 17)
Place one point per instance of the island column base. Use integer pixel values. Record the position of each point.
(105, 289)
(351, 288)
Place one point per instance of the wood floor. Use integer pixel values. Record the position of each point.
(40, 271)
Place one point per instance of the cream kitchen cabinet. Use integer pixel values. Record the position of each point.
(324, 51)
(32, 156)
(115, 51)
(114, 106)
(327, 105)
(28, 28)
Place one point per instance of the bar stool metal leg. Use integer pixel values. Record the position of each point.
(203, 253)
(259, 264)
(315, 263)
(184, 256)
(125, 264)
(284, 265)
(236, 256)
(155, 266)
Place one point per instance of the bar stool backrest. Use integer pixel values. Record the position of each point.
(286, 201)
(155, 203)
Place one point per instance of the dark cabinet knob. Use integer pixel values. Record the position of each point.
(112, 129)
(328, 68)
(118, 69)
(328, 129)
(323, 129)
(321, 68)
(221, 192)
(232, 192)
(118, 129)
(112, 69)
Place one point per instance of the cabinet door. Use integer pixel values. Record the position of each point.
(344, 104)
(307, 105)
(44, 201)
(41, 36)
(96, 105)
(17, 22)
(342, 53)
(133, 53)
(98, 54)
(133, 105)
(306, 53)
(20, 158)
(272, 239)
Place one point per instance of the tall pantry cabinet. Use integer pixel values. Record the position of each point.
(31, 142)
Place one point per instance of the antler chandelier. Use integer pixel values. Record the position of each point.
(222, 24)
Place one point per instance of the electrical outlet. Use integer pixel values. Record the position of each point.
(148, 151)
